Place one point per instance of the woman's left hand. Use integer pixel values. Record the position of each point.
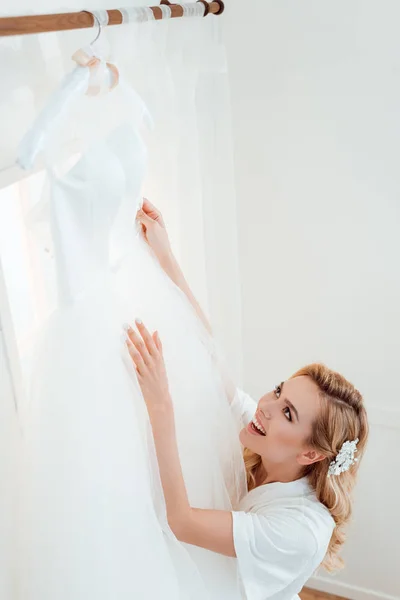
(146, 353)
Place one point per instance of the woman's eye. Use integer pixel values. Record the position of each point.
(287, 411)
(277, 391)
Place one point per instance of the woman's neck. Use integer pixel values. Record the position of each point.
(277, 473)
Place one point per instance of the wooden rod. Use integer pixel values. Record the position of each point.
(80, 20)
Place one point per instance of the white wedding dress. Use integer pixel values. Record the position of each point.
(92, 521)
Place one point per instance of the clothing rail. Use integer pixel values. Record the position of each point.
(80, 20)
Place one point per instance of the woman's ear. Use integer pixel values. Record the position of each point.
(310, 457)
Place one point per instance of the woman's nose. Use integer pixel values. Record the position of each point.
(265, 411)
(268, 408)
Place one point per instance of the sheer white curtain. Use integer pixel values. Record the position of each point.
(179, 69)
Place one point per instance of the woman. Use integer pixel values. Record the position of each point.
(299, 444)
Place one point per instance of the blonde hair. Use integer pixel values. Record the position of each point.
(342, 417)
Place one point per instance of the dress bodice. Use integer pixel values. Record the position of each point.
(97, 199)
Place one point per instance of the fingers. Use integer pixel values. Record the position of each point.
(144, 218)
(145, 350)
(149, 208)
(147, 338)
(157, 341)
(139, 345)
(135, 356)
(151, 211)
(143, 343)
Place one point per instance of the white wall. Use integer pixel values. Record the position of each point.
(315, 88)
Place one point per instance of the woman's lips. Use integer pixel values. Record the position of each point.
(253, 429)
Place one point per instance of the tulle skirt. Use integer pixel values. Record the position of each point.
(92, 519)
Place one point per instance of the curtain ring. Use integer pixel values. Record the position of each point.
(206, 6)
(221, 7)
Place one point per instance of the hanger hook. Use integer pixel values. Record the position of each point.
(96, 21)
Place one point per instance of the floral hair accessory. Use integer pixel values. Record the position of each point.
(344, 459)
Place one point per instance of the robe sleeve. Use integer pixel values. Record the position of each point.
(272, 551)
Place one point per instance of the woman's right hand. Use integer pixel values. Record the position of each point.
(154, 231)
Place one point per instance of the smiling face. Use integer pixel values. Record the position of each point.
(286, 416)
